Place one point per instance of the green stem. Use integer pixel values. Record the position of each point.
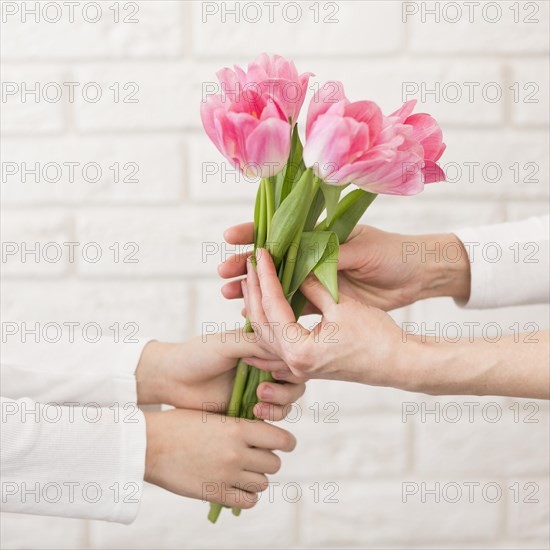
(269, 196)
(214, 512)
(292, 254)
(262, 223)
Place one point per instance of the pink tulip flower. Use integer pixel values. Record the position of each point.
(252, 133)
(273, 76)
(354, 143)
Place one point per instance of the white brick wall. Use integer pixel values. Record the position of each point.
(378, 49)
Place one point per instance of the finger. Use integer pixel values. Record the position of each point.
(240, 234)
(271, 413)
(267, 436)
(280, 394)
(278, 369)
(317, 294)
(235, 498)
(266, 364)
(252, 482)
(252, 294)
(273, 302)
(234, 266)
(261, 461)
(232, 290)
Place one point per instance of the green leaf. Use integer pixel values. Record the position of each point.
(289, 217)
(327, 269)
(348, 213)
(318, 253)
(317, 207)
(293, 171)
(332, 196)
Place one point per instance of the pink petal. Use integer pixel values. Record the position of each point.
(268, 147)
(329, 94)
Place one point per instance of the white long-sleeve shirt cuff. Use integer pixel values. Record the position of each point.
(509, 263)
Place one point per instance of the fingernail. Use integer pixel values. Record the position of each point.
(244, 288)
(281, 374)
(259, 410)
(267, 392)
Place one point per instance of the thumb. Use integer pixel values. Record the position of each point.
(317, 294)
(347, 257)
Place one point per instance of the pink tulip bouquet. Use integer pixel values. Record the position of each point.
(253, 123)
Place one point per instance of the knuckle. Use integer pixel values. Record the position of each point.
(296, 359)
(232, 457)
(248, 501)
(277, 463)
(286, 441)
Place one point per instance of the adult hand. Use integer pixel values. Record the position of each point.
(352, 342)
(385, 270)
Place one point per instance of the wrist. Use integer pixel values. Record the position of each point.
(154, 445)
(444, 267)
(151, 374)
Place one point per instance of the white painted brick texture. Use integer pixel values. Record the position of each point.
(163, 196)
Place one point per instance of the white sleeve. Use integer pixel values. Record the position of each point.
(509, 263)
(73, 440)
(70, 369)
(77, 462)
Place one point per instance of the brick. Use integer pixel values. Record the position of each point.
(355, 446)
(268, 524)
(24, 113)
(111, 169)
(212, 177)
(530, 80)
(455, 93)
(158, 309)
(373, 514)
(41, 532)
(172, 241)
(494, 164)
(152, 30)
(477, 449)
(428, 213)
(520, 210)
(450, 321)
(34, 245)
(456, 33)
(213, 311)
(137, 96)
(356, 30)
